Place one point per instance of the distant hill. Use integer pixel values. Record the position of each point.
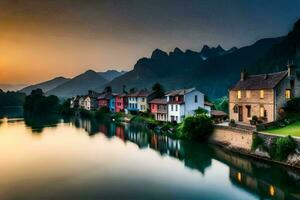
(45, 86)
(79, 85)
(212, 70)
(11, 87)
(111, 74)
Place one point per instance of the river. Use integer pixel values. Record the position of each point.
(72, 158)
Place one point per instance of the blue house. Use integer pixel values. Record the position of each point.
(112, 103)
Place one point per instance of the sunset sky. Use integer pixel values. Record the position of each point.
(42, 39)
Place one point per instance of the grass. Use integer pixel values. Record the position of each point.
(292, 129)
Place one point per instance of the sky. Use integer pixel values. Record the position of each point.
(42, 39)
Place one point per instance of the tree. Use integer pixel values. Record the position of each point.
(37, 103)
(108, 89)
(159, 90)
(198, 127)
(132, 90)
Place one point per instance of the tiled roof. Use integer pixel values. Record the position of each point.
(142, 93)
(159, 101)
(180, 92)
(218, 113)
(261, 81)
(208, 103)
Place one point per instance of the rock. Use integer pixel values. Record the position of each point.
(262, 153)
(294, 159)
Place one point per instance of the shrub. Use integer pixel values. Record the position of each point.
(256, 142)
(104, 110)
(284, 146)
(197, 127)
(200, 111)
(293, 105)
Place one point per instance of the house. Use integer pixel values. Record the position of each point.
(132, 101)
(143, 99)
(139, 101)
(112, 102)
(159, 108)
(74, 102)
(183, 102)
(262, 95)
(103, 100)
(81, 102)
(91, 101)
(207, 106)
(121, 102)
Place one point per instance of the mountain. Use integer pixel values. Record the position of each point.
(45, 86)
(212, 70)
(288, 50)
(111, 74)
(79, 85)
(10, 87)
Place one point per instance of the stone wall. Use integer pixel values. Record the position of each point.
(232, 137)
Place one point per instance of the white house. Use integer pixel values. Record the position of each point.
(183, 102)
(132, 101)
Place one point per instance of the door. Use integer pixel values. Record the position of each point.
(240, 113)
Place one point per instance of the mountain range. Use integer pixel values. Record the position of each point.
(212, 70)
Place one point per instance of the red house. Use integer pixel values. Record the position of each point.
(121, 102)
(160, 109)
(103, 100)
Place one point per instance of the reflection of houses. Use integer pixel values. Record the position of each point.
(159, 108)
(262, 95)
(138, 137)
(253, 185)
(120, 132)
(183, 102)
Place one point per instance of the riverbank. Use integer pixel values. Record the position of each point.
(255, 144)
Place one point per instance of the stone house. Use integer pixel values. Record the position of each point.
(262, 95)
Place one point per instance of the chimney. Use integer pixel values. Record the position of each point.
(243, 74)
(291, 70)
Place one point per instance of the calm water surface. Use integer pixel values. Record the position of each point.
(55, 158)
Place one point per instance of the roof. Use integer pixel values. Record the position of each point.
(218, 113)
(176, 102)
(142, 93)
(261, 81)
(106, 96)
(208, 103)
(159, 101)
(180, 92)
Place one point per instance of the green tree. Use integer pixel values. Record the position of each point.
(108, 89)
(159, 90)
(198, 127)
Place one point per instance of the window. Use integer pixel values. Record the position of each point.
(287, 94)
(262, 111)
(248, 94)
(196, 98)
(176, 107)
(248, 111)
(239, 94)
(235, 109)
(262, 94)
(171, 107)
(143, 99)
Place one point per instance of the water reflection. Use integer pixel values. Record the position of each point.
(261, 180)
(266, 180)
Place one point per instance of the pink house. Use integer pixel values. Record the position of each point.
(121, 102)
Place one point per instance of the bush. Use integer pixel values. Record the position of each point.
(284, 146)
(256, 142)
(293, 105)
(197, 127)
(200, 111)
(104, 110)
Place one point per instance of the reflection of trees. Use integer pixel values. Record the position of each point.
(197, 156)
(37, 122)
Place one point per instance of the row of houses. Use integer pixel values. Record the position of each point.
(174, 106)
